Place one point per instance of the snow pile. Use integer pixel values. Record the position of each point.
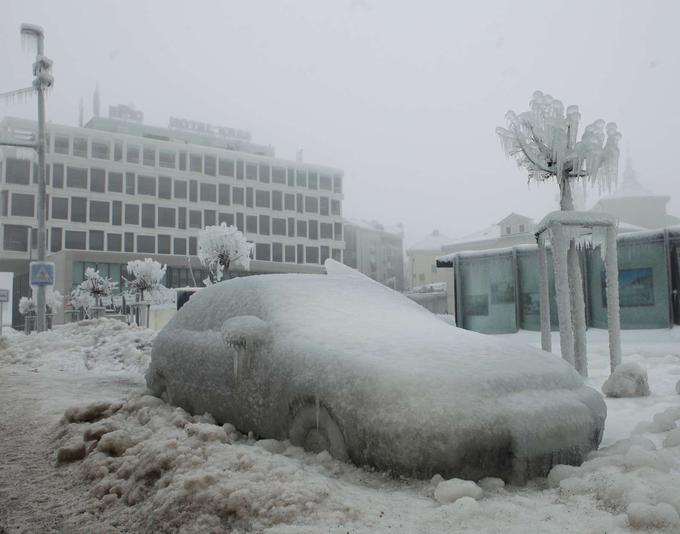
(152, 464)
(627, 380)
(101, 343)
(449, 491)
(632, 476)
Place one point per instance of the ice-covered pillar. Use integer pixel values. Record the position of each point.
(613, 322)
(559, 250)
(578, 310)
(544, 289)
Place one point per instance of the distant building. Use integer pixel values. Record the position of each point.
(514, 229)
(636, 205)
(376, 250)
(422, 260)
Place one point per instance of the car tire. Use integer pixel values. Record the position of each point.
(314, 429)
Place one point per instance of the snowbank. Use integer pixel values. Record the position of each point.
(627, 380)
(101, 343)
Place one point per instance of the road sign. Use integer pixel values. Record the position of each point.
(4, 295)
(42, 273)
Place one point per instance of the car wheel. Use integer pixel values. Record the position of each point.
(314, 429)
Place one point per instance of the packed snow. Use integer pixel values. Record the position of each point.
(149, 465)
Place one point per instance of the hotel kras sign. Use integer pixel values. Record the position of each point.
(205, 128)
(125, 113)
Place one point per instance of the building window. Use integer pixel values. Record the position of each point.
(181, 218)
(335, 207)
(75, 240)
(182, 161)
(312, 180)
(338, 231)
(195, 219)
(78, 209)
(208, 192)
(325, 254)
(262, 199)
(131, 214)
(99, 212)
(240, 172)
(265, 176)
(226, 218)
(326, 231)
(298, 202)
(326, 183)
(301, 179)
(76, 177)
(193, 246)
(116, 212)
(312, 254)
(55, 239)
(251, 224)
(166, 159)
(118, 151)
(290, 173)
(279, 175)
(61, 144)
(264, 224)
(277, 200)
(323, 206)
(96, 240)
(193, 191)
(337, 184)
(278, 226)
(237, 196)
(240, 225)
(302, 228)
(226, 167)
(289, 202)
(277, 252)
(80, 147)
(209, 217)
(98, 180)
(300, 254)
(59, 208)
(114, 242)
(263, 251)
(210, 165)
(164, 244)
(57, 175)
(195, 163)
(146, 185)
(15, 238)
(313, 227)
(291, 227)
(150, 156)
(23, 205)
(164, 187)
(251, 171)
(179, 245)
(130, 183)
(290, 253)
(129, 242)
(180, 189)
(249, 197)
(507, 230)
(148, 216)
(146, 244)
(115, 182)
(166, 217)
(100, 149)
(223, 194)
(132, 154)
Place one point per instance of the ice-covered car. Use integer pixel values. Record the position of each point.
(342, 363)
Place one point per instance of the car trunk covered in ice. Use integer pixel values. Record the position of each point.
(409, 392)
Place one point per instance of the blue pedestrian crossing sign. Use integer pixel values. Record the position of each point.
(42, 273)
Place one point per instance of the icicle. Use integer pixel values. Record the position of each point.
(236, 359)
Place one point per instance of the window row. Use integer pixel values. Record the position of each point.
(208, 164)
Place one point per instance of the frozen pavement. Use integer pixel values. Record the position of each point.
(153, 467)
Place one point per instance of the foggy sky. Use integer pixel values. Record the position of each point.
(403, 96)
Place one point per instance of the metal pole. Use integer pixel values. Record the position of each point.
(42, 239)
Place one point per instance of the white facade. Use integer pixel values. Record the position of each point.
(115, 186)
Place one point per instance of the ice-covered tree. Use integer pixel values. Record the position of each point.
(145, 275)
(544, 141)
(95, 285)
(219, 247)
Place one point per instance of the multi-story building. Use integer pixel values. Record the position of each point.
(422, 260)
(376, 251)
(120, 190)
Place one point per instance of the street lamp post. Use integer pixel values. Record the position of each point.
(43, 80)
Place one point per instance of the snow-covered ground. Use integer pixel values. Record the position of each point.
(152, 467)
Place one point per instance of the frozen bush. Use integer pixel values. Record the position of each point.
(662, 515)
(627, 380)
(220, 246)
